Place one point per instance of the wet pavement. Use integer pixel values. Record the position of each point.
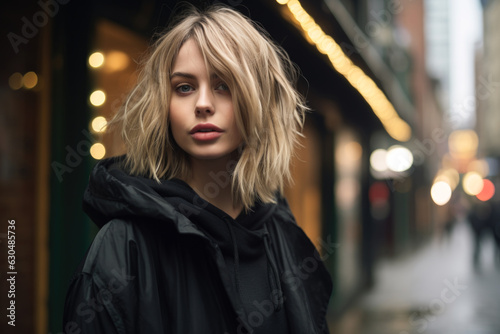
(435, 290)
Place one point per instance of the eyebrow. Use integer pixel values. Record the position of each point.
(182, 74)
(190, 76)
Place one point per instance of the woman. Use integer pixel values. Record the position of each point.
(195, 236)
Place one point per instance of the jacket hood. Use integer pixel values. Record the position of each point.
(113, 193)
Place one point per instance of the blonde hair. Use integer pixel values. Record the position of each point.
(268, 110)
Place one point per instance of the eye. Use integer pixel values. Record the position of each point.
(184, 89)
(222, 86)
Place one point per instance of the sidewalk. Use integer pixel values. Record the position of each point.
(432, 291)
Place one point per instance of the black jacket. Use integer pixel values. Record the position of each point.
(166, 261)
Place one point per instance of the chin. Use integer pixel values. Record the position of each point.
(214, 155)
(210, 156)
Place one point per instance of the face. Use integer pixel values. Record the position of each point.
(201, 108)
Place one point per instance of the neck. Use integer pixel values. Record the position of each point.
(211, 180)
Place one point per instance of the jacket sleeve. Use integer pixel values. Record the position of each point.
(85, 308)
(101, 297)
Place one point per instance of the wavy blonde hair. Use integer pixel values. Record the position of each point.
(269, 112)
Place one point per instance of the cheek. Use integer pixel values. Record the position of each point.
(177, 137)
(176, 112)
(175, 121)
(236, 131)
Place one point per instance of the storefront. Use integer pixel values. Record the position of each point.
(86, 56)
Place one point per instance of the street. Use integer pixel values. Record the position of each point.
(435, 290)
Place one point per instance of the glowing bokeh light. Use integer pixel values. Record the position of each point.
(377, 160)
(30, 80)
(117, 61)
(378, 192)
(487, 192)
(96, 59)
(97, 98)
(472, 183)
(480, 166)
(374, 96)
(441, 193)
(453, 176)
(99, 124)
(97, 151)
(399, 158)
(450, 176)
(16, 81)
(463, 144)
(348, 154)
(347, 191)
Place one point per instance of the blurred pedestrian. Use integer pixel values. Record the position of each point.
(484, 219)
(452, 216)
(195, 234)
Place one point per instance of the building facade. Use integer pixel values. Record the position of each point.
(55, 123)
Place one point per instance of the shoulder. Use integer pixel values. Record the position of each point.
(122, 242)
(126, 243)
(283, 211)
(112, 248)
(99, 294)
(285, 227)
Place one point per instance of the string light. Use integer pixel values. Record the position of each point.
(16, 81)
(30, 80)
(97, 98)
(99, 124)
(96, 59)
(381, 106)
(97, 151)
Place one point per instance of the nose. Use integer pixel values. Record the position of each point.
(205, 102)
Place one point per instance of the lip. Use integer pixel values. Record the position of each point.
(205, 126)
(205, 132)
